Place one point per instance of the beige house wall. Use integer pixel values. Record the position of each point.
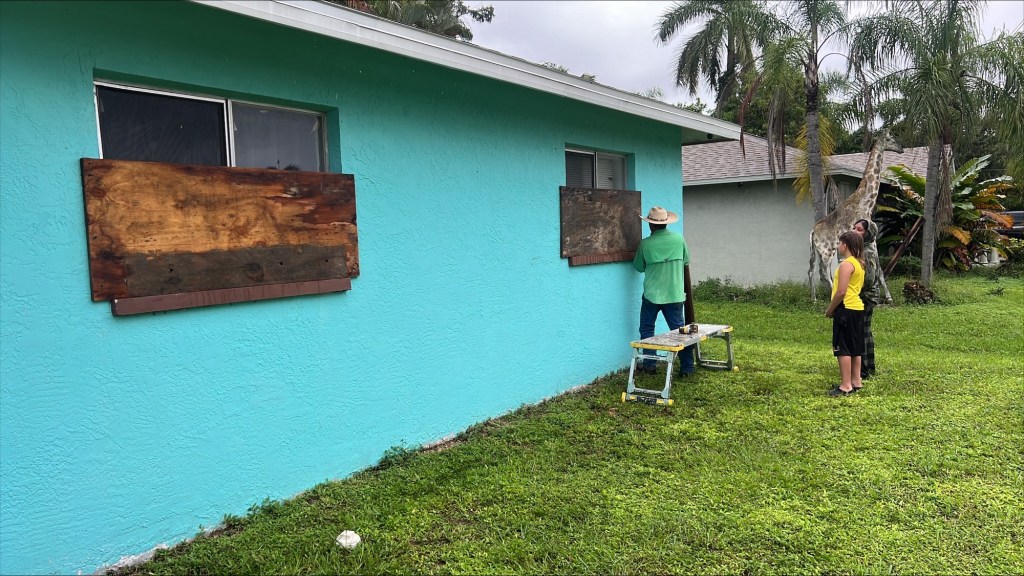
(750, 232)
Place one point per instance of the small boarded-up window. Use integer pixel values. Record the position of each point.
(169, 236)
(599, 225)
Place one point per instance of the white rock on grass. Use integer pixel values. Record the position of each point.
(348, 539)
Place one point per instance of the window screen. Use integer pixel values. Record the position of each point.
(267, 137)
(579, 170)
(155, 126)
(611, 172)
(595, 170)
(160, 128)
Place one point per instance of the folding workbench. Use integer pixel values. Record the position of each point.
(671, 343)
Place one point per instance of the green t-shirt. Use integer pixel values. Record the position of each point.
(661, 257)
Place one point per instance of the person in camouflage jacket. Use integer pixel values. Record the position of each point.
(871, 292)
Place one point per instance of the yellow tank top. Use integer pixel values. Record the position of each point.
(852, 299)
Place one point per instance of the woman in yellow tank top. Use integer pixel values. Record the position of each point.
(847, 313)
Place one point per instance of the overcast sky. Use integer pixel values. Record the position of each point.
(615, 41)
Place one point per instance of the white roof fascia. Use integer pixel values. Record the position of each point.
(737, 180)
(845, 172)
(767, 178)
(367, 30)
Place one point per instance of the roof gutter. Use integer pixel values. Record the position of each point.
(789, 175)
(364, 29)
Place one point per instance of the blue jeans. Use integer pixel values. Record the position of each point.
(674, 317)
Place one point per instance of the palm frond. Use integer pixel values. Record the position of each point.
(802, 183)
(727, 41)
(683, 13)
(960, 234)
(909, 179)
(969, 172)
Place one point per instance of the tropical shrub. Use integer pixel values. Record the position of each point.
(975, 214)
(898, 210)
(1014, 263)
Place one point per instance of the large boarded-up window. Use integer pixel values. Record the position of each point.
(200, 200)
(169, 236)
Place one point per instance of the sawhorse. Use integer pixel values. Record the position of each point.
(672, 343)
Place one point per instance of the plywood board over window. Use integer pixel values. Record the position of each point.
(168, 236)
(599, 225)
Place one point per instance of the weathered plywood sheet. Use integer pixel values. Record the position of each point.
(163, 303)
(186, 272)
(599, 225)
(152, 226)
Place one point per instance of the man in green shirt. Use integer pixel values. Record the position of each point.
(664, 259)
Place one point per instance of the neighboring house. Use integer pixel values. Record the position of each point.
(414, 287)
(741, 227)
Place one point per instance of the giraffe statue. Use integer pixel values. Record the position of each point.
(860, 204)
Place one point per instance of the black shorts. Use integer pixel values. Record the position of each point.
(847, 332)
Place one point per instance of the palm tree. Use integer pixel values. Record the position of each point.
(927, 52)
(732, 30)
(737, 30)
(800, 37)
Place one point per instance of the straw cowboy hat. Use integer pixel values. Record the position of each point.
(659, 215)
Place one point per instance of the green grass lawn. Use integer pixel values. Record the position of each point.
(922, 472)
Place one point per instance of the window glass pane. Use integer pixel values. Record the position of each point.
(267, 137)
(611, 172)
(160, 128)
(579, 170)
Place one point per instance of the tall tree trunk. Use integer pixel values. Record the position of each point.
(869, 109)
(931, 194)
(726, 79)
(814, 164)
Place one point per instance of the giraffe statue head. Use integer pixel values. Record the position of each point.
(862, 200)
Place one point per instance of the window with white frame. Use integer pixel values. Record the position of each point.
(590, 169)
(159, 126)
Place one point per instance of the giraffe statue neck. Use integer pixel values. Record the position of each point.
(863, 198)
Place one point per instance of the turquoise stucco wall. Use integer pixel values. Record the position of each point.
(121, 433)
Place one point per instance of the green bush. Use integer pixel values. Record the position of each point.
(909, 266)
(988, 272)
(780, 294)
(1014, 263)
(717, 290)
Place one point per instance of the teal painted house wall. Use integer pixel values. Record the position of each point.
(122, 433)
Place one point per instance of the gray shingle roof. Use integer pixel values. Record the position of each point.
(719, 162)
(724, 161)
(914, 158)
